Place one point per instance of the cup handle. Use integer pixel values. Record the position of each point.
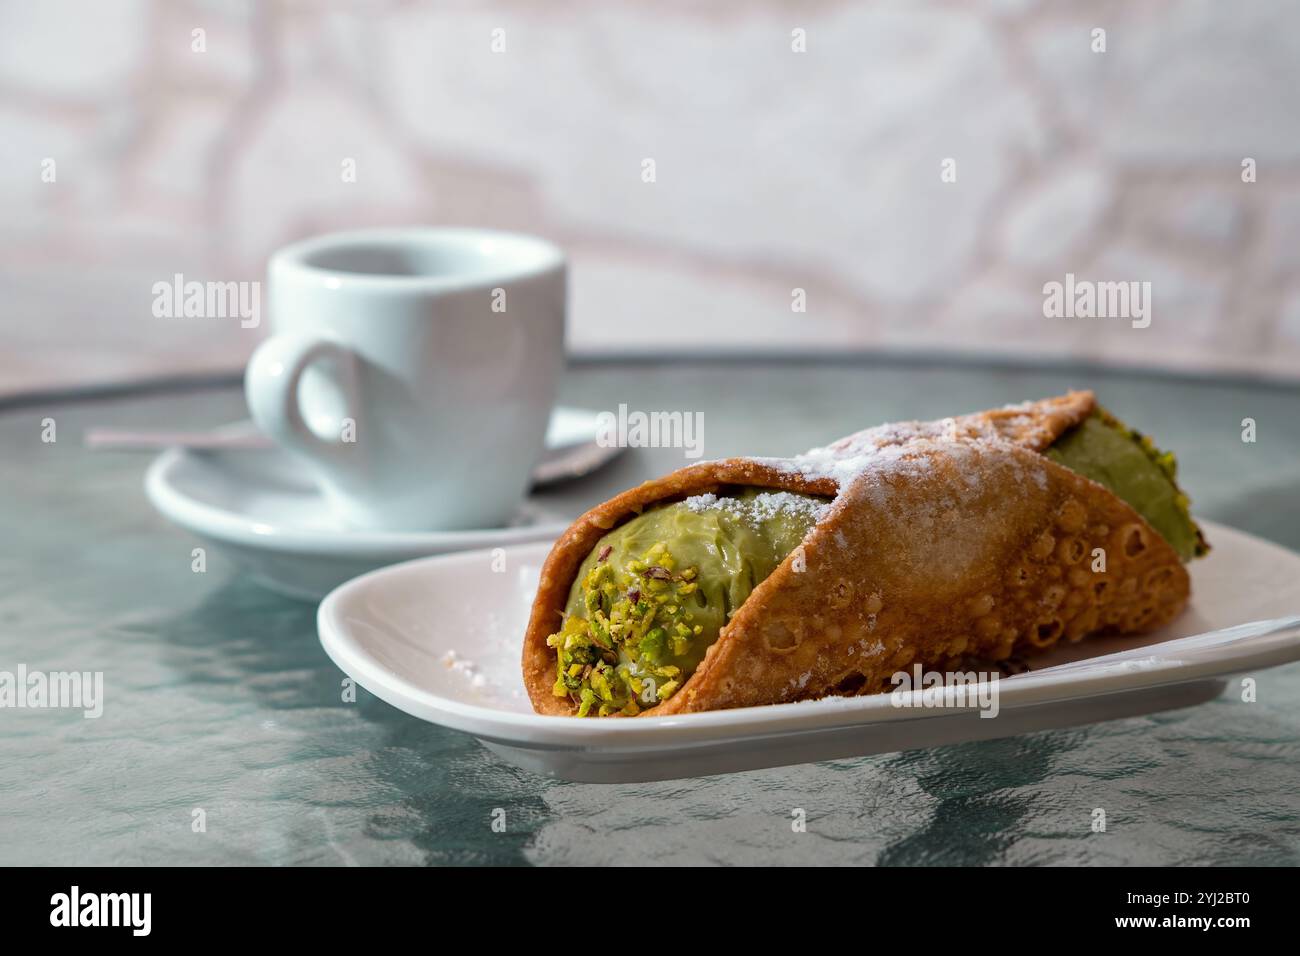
(271, 389)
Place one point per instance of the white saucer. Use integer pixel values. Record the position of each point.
(262, 510)
(440, 639)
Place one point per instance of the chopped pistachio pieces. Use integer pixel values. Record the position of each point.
(617, 659)
(655, 592)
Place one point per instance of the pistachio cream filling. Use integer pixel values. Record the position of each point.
(1128, 463)
(655, 592)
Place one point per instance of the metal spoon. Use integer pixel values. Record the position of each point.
(559, 464)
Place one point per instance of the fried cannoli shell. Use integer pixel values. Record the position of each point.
(947, 541)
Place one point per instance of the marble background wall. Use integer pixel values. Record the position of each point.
(774, 169)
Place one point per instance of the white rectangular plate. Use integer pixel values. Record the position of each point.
(440, 638)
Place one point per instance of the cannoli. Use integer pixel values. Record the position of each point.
(753, 581)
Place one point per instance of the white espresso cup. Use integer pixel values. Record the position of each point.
(412, 371)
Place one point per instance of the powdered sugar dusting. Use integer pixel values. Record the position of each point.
(453, 661)
(906, 450)
(763, 506)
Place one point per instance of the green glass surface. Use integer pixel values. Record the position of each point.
(218, 696)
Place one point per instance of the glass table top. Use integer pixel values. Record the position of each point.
(218, 698)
